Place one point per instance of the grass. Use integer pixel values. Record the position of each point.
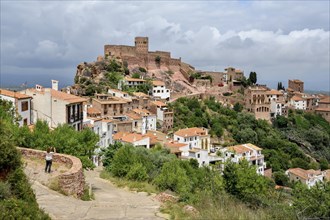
(132, 185)
(87, 196)
(54, 185)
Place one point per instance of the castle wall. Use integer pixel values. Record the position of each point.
(119, 50)
(217, 77)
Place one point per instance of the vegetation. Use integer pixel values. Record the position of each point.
(198, 75)
(310, 131)
(16, 196)
(64, 138)
(280, 86)
(204, 188)
(239, 127)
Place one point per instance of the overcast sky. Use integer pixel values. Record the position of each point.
(282, 40)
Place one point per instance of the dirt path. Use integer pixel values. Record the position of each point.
(110, 202)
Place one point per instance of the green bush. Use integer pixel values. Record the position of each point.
(137, 172)
(18, 209)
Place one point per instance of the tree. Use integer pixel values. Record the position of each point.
(313, 202)
(158, 59)
(242, 181)
(136, 75)
(253, 77)
(238, 107)
(280, 86)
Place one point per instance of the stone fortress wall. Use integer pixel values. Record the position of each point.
(141, 56)
(72, 182)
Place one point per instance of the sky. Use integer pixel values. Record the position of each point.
(44, 40)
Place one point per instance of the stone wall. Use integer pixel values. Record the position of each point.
(72, 182)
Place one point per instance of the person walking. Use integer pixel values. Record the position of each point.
(49, 159)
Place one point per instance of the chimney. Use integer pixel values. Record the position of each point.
(55, 85)
(39, 87)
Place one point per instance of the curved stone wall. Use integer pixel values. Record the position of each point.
(72, 182)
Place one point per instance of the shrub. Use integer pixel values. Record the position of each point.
(137, 172)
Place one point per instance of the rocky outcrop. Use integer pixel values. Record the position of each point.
(71, 182)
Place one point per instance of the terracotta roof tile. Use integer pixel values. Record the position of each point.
(189, 132)
(66, 97)
(12, 94)
(128, 137)
(322, 109)
(134, 79)
(274, 92)
(159, 103)
(93, 110)
(297, 98)
(304, 173)
(239, 149)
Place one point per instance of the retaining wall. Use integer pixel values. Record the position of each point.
(72, 182)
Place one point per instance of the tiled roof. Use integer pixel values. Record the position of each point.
(117, 90)
(325, 100)
(66, 97)
(322, 109)
(142, 111)
(12, 94)
(274, 92)
(158, 83)
(134, 79)
(189, 132)
(174, 144)
(304, 173)
(159, 103)
(239, 149)
(128, 137)
(93, 110)
(140, 94)
(254, 147)
(297, 98)
(134, 116)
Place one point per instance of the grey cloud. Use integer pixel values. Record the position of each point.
(275, 38)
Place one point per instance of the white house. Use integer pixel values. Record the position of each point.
(200, 155)
(276, 100)
(119, 94)
(56, 107)
(149, 120)
(307, 177)
(180, 149)
(298, 102)
(104, 129)
(132, 138)
(194, 137)
(130, 82)
(249, 152)
(21, 103)
(159, 90)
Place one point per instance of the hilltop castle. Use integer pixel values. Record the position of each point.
(140, 55)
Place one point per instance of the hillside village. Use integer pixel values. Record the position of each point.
(136, 108)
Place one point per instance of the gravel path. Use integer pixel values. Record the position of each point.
(110, 202)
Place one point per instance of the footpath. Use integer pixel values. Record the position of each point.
(110, 202)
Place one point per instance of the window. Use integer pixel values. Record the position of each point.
(25, 106)
(198, 156)
(25, 121)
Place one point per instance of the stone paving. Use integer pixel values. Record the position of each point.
(110, 202)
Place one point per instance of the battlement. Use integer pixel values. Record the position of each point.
(140, 55)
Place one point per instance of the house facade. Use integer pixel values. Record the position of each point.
(194, 137)
(159, 90)
(21, 103)
(307, 177)
(132, 138)
(257, 101)
(164, 114)
(249, 152)
(56, 107)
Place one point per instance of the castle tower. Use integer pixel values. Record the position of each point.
(141, 45)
